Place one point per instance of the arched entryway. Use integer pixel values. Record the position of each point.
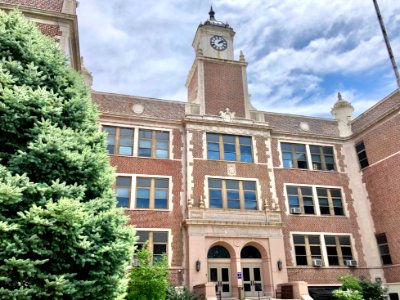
(219, 269)
(251, 261)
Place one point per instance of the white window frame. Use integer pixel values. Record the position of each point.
(315, 200)
(258, 191)
(323, 247)
(169, 246)
(308, 153)
(133, 190)
(136, 138)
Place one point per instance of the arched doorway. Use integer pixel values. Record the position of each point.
(219, 269)
(252, 271)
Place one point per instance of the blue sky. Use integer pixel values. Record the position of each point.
(300, 53)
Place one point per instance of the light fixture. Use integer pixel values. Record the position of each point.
(198, 265)
(280, 265)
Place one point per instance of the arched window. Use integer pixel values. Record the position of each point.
(250, 252)
(218, 252)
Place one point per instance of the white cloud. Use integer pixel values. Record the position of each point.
(294, 48)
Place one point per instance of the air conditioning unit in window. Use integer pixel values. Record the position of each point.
(316, 262)
(295, 210)
(350, 263)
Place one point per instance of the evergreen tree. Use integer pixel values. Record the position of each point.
(61, 236)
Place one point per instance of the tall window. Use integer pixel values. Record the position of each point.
(232, 194)
(153, 143)
(152, 193)
(362, 155)
(330, 201)
(383, 248)
(157, 241)
(300, 199)
(338, 249)
(322, 158)
(119, 140)
(229, 147)
(123, 191)
(307, 248)
(294, 156)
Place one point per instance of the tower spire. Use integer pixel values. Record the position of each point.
(212, 14)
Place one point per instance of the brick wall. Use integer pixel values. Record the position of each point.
(51, 5)
(192, 88)
(382, 182)
(319, 224)
(160, 219)
(223, 85)
(52, 31)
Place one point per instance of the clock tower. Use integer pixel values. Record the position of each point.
(216, 81)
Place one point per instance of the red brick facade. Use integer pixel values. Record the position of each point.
(49, 5)
(223, 86)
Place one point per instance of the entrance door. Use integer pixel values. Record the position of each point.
(252, 281)
(219, 273)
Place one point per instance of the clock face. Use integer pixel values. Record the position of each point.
(218, 43)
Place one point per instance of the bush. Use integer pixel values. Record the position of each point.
(178, 293)
(148, 280)
(359, 288)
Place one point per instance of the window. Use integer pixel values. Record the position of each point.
(300, 197)
(322, 158)
(393, 296)
(152, 193)
(229, 147)
(153, 143)
(232, 194)
(307, 248)
(330, 201)
(383, 248)
(338, 249)
(362, 155)
(294, 156)
(119, 140)
(301, 200)
(157, 241)
(123, 191)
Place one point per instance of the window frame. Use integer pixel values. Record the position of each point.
(316, 203)
(361, 152)
(150, 241)
(153, 143)
(117, 139)
(324, 250)
(380, 246)
(123, 186)
(308, 156)
(300, 197)
(221, 146)
(308, 252)
(224, 192)
(152, 192)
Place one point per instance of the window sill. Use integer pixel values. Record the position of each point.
(147, 209)
(145, 157)
(321, 216)
(311, 170)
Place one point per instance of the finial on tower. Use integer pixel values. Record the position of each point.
(212, 14)
(339, 97)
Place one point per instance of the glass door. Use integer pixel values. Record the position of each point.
(220, 274)
(252, 281)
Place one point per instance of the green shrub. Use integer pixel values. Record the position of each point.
(174, 293)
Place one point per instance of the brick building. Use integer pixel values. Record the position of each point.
(245, 200)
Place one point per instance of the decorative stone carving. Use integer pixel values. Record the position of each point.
(304, 126)
(202, 205)
(190, 203)
(227, 115)
(138, 108)
(231, 169)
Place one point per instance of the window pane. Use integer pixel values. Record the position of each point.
(313, 239)
(228, 139)
(162, 153)
(162, 145)
(250, 205)
(212, 137)
(301, 260)
(126, 132)
(344, 240)
(162, 135)
(245, 140)
(160, 237)
(330, 240)
(214, 183)
(147, 134)
(123, 181)
(215, 203)
(298, 239)
(232, 184)
(143, 236)
(144, 152)
(249, 185)
(306, 190)
(161, 183)
(213, 155)
(232, 195)
(122, 202)
(213, 147)
(110, 149)
(286, 147)
(159, 249)
(125, 150)
(123, 192)
(246, 158)
(109, 130)
(229, 156)
(234, 204)
(143, 182)
(294, 200)
(216, 195)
